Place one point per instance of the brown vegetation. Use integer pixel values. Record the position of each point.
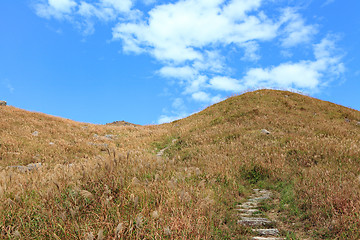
(106, 182)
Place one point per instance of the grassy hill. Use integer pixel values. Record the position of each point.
(106, 181)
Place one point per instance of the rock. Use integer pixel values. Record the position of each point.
(167, 231)
(35, 134)
(155, 214)
(102, 146)
(267, 232)
(33, 166)
(29, 167)
(3, 103)
(253, 221)
(264, 131)
(250, 211)
(347, 120)
(51, 143)
(119, 229)
(358, 123)
(139, 221)
(110, 136)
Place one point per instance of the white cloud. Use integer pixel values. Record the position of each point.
(194, 85)
(64, 6)
(83, 13)
(201, 96)
(55, 8)
(308, 75)
(178, 112)
(298, 75)
(118, 5)
(295, 30)
(166, 119)
(206, 97)
(226, 84)
(251, 51)
(178, 32)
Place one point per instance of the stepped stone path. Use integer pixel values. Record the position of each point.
(263, 227)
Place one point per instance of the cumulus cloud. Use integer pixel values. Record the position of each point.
(226, 84)
(296, 31)
(55, 8)
(178, 32)
(305, 74)
(206, 97)
(83, 13)
(201, 96)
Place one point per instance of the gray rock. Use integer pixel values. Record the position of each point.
(264, 131)
(248, 210)
(29, 167)
(3, 103)
(35, 134)
(253, 221)
(358, 123)
(102, 146)
(110, 136)
(248, 205)
(267, 232)
(33, 166)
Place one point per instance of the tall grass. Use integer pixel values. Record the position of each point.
(106, 182)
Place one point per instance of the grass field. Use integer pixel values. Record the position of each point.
(106, 182)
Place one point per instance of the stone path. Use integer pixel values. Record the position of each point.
(250, 216)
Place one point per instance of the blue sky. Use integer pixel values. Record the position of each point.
(153, 61)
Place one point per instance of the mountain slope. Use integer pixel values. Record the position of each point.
(312, 155)
(108, 180)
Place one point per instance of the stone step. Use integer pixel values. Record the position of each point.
(248, 205)
(259, 199)
(267, 232)
(253, 221)
(252, 210)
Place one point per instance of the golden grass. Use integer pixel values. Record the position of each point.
(86, 189)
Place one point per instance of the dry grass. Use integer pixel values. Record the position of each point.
(89, 190)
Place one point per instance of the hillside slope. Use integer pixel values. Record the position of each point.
(108, 181)
(311, 157)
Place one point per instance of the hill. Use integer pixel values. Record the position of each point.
(122, 123)
(108, 181)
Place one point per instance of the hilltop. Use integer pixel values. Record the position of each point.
(108, 181)
(122, 123)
